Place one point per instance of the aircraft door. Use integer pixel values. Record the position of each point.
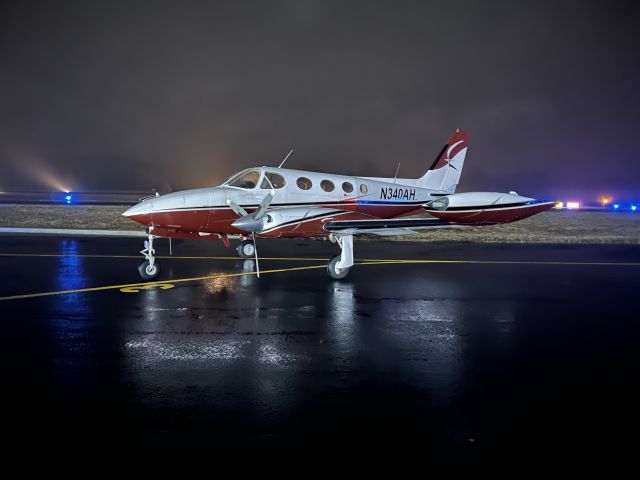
(216, 211)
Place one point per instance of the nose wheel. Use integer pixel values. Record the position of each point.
(149, 269)
(246, 249)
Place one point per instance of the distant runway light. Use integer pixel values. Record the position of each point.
(633, 208)
(616, 206)
(559, 205)
(604, 200)
(573, 205)
(68, 198)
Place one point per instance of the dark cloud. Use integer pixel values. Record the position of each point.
(128, 95)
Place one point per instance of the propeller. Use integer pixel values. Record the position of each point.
(252, 222)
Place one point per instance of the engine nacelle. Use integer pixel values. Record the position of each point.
(279, 217)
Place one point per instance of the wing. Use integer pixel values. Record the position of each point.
(398, 226)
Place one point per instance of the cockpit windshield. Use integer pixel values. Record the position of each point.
(246, 179)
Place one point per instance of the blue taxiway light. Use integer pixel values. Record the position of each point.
(67, 198)
(633, 208)
(616, 206)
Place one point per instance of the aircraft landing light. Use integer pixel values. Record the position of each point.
(573, 205)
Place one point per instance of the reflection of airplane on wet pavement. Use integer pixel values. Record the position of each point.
(269, 202)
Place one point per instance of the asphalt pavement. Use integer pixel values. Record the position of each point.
(468, 355)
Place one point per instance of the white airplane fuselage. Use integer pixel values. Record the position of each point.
(206, 210)
(302, 213)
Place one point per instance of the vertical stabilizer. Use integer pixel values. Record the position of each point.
(444, 174)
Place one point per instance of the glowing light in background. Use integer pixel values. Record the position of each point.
(573, 205)
(48, 178)
(616, 206)
(605, 200)
(68, 198)
(559, 205)
(35, 168)
(633, 208)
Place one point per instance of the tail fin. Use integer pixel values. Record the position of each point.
(446, 169)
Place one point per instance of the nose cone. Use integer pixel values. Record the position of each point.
(135, 210)
(141, 212)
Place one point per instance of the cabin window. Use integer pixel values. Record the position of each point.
(363, 188)
(248, 179)
(327, 185)
(274, 179)
(304, 183)
(347, 187)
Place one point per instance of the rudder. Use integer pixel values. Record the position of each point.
(444, 173)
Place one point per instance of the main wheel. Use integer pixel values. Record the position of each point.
(335, 272)
(246, 249)
(147, 272)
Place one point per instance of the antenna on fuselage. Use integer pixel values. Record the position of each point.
(396, 176)
(285, 158)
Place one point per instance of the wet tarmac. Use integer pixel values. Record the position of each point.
(475, 356)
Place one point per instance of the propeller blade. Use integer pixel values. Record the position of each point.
(255, 251)
(264, 205)
(241, 212)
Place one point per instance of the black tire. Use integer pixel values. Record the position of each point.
(146, 273)
(246, 249)
(336, 273)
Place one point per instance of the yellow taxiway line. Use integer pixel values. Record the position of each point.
(147, 285)
(167, 257)
(501, 262)
(362, 261)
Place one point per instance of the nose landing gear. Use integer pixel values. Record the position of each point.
(149, 269)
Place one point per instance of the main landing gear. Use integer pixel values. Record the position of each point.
(339, 265)
(149, 269)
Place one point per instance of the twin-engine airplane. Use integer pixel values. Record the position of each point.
(267, 202)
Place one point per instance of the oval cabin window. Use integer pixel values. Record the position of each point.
(303, 183)
(347, 187)
(327, 185)
(363, 188)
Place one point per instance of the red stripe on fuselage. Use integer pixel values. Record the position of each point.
(219, 220)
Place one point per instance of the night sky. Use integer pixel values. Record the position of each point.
(129, 96)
